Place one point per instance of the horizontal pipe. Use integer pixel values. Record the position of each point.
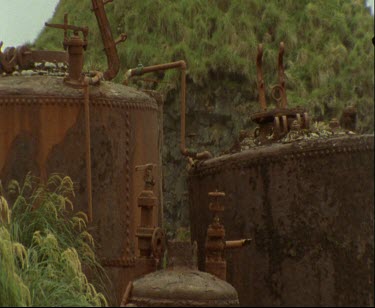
(237, 243)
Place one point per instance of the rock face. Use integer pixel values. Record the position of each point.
(309, 208)
(216, 120)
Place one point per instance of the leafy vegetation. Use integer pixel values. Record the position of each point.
(329, 54)
(43, 248)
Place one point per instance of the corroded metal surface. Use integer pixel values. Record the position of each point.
(308, 206)
(42, 128)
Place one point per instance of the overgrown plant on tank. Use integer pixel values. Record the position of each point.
(44, 247)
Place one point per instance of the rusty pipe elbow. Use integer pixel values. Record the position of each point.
(127, 76)
(204, 155)
(96, 78)
(182, 64)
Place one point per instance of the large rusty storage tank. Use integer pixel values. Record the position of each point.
(309, 207)
(42, 129)
(305, 197)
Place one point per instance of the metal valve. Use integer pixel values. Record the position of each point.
(75, 46)
(215, 240)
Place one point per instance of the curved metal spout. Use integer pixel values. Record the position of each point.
(237, 243)
(108, 41)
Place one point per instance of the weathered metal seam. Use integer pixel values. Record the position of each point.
(128, 253)
(12, 100)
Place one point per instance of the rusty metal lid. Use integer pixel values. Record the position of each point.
(183, 288)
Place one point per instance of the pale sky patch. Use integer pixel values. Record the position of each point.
(22, 20)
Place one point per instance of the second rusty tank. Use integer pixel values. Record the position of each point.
(305, 195)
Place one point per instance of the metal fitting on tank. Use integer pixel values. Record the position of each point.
(151, 240)
(215, 240)
(75, 46)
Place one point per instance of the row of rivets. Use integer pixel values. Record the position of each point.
(40, 100)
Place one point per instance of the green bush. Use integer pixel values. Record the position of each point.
(43, 247)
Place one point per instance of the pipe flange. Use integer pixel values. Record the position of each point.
(158, 243)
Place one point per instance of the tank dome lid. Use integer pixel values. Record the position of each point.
(183, 288)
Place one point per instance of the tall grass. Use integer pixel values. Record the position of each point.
(43, 247)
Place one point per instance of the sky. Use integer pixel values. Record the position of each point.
(370, 3)
(22, 20)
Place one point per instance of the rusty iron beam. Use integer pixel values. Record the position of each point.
(23, 58)
(282, 75)
(262, 95)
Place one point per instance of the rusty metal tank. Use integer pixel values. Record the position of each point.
(180, 284)
(42, 129)
(308, 205)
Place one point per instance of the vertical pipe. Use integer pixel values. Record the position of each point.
(178, 64)
(88, 147)
(282, 76)
(262, 95)
(183, 108)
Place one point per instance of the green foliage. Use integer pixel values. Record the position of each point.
(329, 54)
(43, 247)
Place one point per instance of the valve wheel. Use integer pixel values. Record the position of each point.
(158, 243)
